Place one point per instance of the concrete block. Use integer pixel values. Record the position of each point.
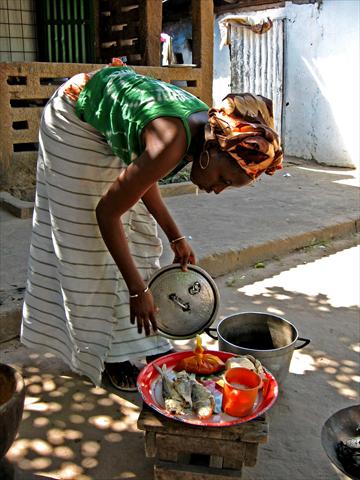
(10, 322)
(17, 207)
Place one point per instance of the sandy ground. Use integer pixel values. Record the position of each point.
(71, 430)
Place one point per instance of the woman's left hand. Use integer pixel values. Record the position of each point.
(184, 254)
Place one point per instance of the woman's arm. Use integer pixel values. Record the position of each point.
(165, 142)
(156, 206)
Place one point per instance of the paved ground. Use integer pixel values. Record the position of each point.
(71, 430)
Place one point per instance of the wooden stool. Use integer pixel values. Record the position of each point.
(190, 452)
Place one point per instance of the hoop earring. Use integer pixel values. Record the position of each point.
(208, 160)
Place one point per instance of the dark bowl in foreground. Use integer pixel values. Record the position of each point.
(341, 426)
(12, 397)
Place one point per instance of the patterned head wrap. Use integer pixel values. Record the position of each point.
(243, 127)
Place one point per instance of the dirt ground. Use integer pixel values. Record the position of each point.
(71, 430)
(20, 179)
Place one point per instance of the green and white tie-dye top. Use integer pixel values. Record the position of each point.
(119, 103)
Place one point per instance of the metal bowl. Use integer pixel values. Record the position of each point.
(341, 426)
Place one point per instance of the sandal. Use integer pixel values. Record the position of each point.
(122, 375)
(151, 358)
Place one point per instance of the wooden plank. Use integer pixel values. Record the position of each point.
(150, 444)
(256, 430)
(251, 450)
(164, 454)
(258, 435)
(203, 446)
(171, 471)
(234, 462)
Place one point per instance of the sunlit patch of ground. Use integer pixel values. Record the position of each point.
(73, 430)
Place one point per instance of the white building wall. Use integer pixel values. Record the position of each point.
(221, 80)
(321, 66)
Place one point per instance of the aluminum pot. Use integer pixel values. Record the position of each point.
(269, 338)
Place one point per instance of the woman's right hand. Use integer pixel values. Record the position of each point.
(142, 312)
(183, 253)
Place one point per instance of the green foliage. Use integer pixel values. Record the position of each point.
(182, 176)
(260, 265)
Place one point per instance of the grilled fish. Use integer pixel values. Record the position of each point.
(203, 401)
(174, 401)
(183, 394)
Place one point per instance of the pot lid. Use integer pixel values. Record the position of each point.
(188, 301)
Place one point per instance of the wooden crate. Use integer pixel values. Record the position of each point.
(187, 452)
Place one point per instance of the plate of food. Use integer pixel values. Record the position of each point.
(170, 386)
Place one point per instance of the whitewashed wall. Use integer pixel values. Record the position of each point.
(321, 99)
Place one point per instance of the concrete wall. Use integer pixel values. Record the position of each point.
(321, 66)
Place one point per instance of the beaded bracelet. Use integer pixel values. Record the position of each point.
(136, 295)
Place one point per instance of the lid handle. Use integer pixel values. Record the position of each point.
(194, 289)
(179, 302)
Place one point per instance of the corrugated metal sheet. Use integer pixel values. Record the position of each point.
(257, 64)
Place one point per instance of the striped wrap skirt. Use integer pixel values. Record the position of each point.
(76, 303)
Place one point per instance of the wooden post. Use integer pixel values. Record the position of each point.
(203, 44)
(150, 30)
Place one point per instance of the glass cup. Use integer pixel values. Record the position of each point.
(241, 387)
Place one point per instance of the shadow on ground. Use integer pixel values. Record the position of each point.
(72, 430)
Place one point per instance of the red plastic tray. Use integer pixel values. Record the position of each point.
(150, 387)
